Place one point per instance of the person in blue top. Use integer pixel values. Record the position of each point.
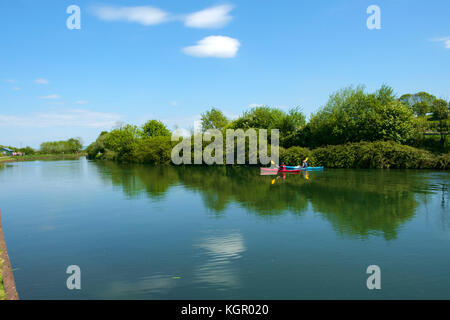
(305, 164)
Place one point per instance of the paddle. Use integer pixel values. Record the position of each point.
(273, 181)
(272, 163)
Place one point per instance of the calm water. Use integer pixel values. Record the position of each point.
(140, 232)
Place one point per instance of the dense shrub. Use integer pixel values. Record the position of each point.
(155, 150)
(443, 161)
(351, 115)
(123, 141)
(381, 154)
(296, 155)
(97, 148)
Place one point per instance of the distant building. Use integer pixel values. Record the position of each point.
(6, 151)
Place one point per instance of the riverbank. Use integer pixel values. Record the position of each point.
(358, 155)
(7, 284)
(41, 157)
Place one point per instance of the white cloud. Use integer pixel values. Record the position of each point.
(174, 103)
(214, 17)
(444, 40)
(11, 80)
(74, 117)
(145, 15)
(16, 88)
(50, 97)
(214, 46)
(255, 105)
(82, 102)
(41, 81)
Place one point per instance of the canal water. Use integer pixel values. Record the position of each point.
(144, 232)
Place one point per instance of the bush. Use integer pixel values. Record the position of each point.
(123, 142)
(96, 149)
(443, 161)
(295, 155)
(155, 150)
(380, 154)
(55, 147)
(351, 115)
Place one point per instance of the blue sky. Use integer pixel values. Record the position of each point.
(172, 60)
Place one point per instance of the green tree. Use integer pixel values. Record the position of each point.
(441, 113)
(122, 141)
(351, 115)
(263, 117)
(28, 150)
(213, 119)
(420, 103)
(155, 128)
(55, 147)
(97, 148)
(73, 145)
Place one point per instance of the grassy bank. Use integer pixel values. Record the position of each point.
(41, 157)
(2, 289)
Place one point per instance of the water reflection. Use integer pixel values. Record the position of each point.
(357, 203)
(146, 286)
(224, 232)
(219, 253)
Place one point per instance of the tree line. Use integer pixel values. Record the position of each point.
(350, 116)
(70, 146)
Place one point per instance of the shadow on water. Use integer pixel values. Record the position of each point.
(356, 202)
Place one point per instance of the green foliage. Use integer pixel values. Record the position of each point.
(420, 103)
(381, 154)
(214, 119)
(294, 156)
(354, 129)
(97, 148)
(351, 115)
(441, 113)
(440, 110)
(289, 124)
(443, 161)
(55, 147)
(2, 288)
(28, 150)
(156, 150)
(123, 141)
(155, 128)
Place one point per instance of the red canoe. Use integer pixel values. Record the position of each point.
(275, 170)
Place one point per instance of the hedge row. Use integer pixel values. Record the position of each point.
(380, 154)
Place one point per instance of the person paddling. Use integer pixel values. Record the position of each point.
(282, 167)
(305, 164)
